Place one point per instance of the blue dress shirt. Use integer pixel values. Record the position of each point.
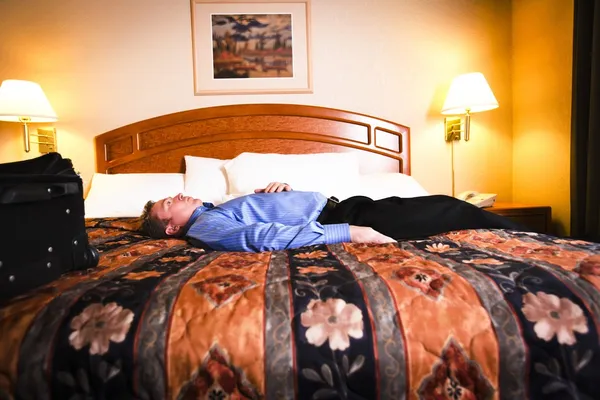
(265, 222)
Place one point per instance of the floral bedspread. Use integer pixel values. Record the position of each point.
(478, 314)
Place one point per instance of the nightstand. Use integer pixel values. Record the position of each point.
(537, 218)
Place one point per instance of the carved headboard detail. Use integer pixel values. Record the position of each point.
(159, 144)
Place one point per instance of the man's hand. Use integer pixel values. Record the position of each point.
(275, 187)
(364, 234)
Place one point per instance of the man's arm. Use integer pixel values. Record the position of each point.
(231, 235)
(234, 236)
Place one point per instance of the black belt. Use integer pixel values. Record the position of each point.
(332, 203)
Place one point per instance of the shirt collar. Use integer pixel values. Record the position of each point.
(197, 212)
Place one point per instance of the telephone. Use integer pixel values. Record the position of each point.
(478, 199)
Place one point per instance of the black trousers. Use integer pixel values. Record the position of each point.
(412, 218)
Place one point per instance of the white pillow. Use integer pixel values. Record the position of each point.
(205, 178)
(124, 195)
(328, 173)
(381, 185)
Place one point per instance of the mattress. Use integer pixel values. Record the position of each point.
(471, 314)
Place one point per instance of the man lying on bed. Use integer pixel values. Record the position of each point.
(277, 218)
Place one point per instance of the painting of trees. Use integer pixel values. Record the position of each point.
(252, 46)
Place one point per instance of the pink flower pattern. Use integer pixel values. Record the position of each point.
(554, 316)
(98, 325)
(333, 320)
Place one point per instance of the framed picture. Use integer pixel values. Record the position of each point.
(251, 46)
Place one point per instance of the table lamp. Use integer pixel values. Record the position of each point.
(25, 102)
(468, 93)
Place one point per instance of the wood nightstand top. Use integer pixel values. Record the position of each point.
(514, 206)
(536, 217)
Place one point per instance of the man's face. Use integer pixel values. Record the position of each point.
(177, 210)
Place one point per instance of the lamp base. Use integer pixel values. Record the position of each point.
(453, 128)
(47, 139)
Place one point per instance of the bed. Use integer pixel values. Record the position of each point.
(472, 314)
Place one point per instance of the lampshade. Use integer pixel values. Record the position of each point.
(469, 92)
(24, 99)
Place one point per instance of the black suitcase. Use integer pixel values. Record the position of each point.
(43, 226)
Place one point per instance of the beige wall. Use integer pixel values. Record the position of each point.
(106, 64)
(542, 64)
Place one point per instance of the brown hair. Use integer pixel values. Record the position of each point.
(153, 226)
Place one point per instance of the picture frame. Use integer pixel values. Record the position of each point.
(251, 46)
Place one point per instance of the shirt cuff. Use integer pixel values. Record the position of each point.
(337, 233)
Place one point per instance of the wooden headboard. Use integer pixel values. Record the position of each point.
(159, 144)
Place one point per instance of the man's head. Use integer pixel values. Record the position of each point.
(168, 217)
